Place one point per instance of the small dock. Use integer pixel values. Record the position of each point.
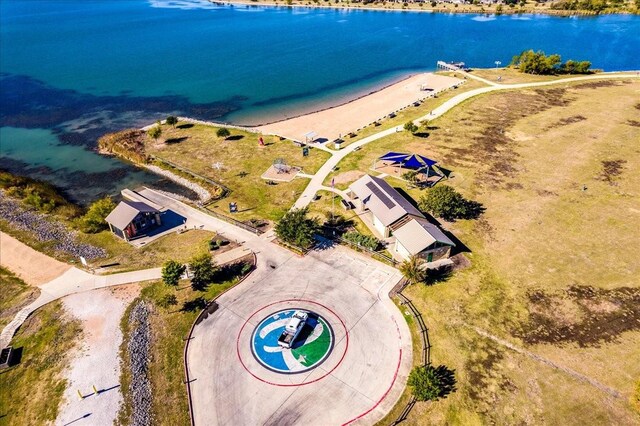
(452, 66)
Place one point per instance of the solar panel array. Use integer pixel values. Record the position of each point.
(381, 196)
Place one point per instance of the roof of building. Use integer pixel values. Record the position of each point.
(386, 204)
(418, 234)
(126, 211)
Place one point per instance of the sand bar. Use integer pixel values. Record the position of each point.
(343, 119)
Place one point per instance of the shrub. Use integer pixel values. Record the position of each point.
(246, 267)
(203, 271)
(172, 120)
(428, 383)
(447, 203)
(296, 228)
(172, 272)
(410, 127)
(223, 132)
(213, 245)
(367, 241)
(93, 220)
(155, 132)
(531, 62)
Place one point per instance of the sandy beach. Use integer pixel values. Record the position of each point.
(331, 123)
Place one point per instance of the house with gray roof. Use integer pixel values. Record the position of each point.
(132, 219)
(392, 215)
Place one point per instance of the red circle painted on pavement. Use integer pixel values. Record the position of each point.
(293, 384)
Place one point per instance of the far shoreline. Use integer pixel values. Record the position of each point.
(507, 10)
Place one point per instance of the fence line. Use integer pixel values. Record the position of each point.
(426, 351)
(232, 221)
(192, 173)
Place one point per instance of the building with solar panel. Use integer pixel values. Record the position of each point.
(392, 216)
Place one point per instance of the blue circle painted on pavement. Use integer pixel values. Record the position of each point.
(310, 349)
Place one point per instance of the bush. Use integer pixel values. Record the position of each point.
(428, 383)
(223, 132)
(443, 201)
(367, 241)
(213, 245)
(172, 272)
(296, 228)
(155, 132)
(172, 120)
(93, 220)
(203, 271)
(410, 127)
(531, 62)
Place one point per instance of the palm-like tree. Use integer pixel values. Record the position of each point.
(412, 270)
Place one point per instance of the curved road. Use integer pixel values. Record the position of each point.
(317, 180)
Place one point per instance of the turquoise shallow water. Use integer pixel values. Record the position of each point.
(77, 68)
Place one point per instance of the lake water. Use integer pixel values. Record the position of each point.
(74, 69)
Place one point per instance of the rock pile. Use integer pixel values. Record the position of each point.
(45, 230)
(203, 194)
(138, 350)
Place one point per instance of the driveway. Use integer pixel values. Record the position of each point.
(361, 345)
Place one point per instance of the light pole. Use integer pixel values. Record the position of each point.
(498, 63)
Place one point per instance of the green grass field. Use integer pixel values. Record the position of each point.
(553, 266)
(197, 148)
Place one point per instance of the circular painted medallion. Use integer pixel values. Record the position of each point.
(311, 346)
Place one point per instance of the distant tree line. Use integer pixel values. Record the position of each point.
(531, 62)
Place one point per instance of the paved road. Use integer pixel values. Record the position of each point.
(364, 375)
(317, 180)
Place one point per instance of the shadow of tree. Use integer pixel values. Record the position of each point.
(174, 141)
(234, 138)
(185, 126)
(194, 305)
(447, 378)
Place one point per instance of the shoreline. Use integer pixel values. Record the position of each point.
(456, 10)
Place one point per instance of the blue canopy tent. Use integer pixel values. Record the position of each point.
(412, 162)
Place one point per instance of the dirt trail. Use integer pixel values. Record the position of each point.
(33, 267)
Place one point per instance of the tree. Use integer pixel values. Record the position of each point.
(412, 270)
(155, 132)
(531, 62)
(428, 383)
(410, 127)
(223, 132)
(172, 272)
(443, 201)
(296, 228)
(172, 120)
(203, 271)
(93, 220)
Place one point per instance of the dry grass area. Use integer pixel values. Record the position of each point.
(554, 257)
(124, 257)
(243, 161)
(512, 76)
(32, 389)
(16, 294)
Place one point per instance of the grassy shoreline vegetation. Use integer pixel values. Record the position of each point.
(506, 7)
(556, 169)
(170, 320)
(32, 390)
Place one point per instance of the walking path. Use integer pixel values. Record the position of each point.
(74, 280)
(317, 180)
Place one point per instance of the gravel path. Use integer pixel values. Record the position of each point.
(96, 362)
(138, 352)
